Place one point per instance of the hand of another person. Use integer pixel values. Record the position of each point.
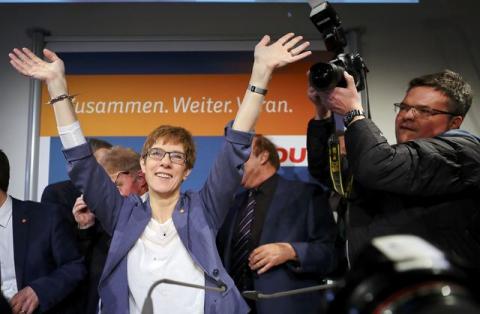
(269, 255)
(51, 71)
(83, 216)
(24, 301)
(342, 100)
(321, 110)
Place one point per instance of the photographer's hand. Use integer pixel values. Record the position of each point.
(342, 100)
(321, 111)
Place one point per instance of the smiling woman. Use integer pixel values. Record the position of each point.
(171, 235)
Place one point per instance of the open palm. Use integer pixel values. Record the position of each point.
(27, 63)
(285, 50)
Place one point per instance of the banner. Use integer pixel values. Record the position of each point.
(122, 101)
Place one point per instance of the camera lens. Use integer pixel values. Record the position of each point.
(431, 297)
(424, 281)
(324, 76)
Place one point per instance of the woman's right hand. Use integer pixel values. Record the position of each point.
(52, 72)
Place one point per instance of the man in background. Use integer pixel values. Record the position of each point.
(39, 261)
(64, 194)
(279, 235)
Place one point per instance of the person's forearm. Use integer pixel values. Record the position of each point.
(64, 110)
(68, 127)
(249, 110)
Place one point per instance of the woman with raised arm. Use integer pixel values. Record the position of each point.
(171, 235)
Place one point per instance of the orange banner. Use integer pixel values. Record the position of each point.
(133, 105)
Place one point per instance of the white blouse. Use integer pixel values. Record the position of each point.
(160, 254)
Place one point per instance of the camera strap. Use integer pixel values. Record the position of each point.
(335, 162)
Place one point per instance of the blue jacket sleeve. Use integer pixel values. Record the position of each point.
(99, 192)
(225, 176)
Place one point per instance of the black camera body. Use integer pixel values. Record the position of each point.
(325, 76)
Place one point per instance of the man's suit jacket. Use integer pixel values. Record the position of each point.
(64, 194)
(298, 214)
(46, 256)
(197, 218)
(4, 305)
(93, 243)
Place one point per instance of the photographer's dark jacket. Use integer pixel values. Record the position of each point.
(427, 187)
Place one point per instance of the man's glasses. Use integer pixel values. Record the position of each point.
(157, 154)
(117, 176)
(420, 111)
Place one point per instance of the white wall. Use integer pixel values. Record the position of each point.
(398, 42)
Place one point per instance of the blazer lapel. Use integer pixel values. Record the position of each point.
(20, 225)
(180, 220)
(127, 236)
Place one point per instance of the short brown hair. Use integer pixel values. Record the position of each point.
(452, 85)
(173, 134)
(96, 144)
(264, 144)
(120, 158)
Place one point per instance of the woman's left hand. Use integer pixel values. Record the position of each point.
(288, 49)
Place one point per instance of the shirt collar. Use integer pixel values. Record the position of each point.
(144, 197)
(268, 185)
(6, 212)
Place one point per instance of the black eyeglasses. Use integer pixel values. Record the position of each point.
(420, 111)
(117, 176)
(156, 153)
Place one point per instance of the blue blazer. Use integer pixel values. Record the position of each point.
(45, 253)
(197, 218)
(298, 214)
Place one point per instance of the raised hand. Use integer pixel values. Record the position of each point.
(52, 71)
(288, 49)
(28, 64)
(267, 57)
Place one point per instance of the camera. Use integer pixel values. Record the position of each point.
(404, 274)
(325, 76)
(398, 274)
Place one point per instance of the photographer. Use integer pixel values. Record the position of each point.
(427, 184)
